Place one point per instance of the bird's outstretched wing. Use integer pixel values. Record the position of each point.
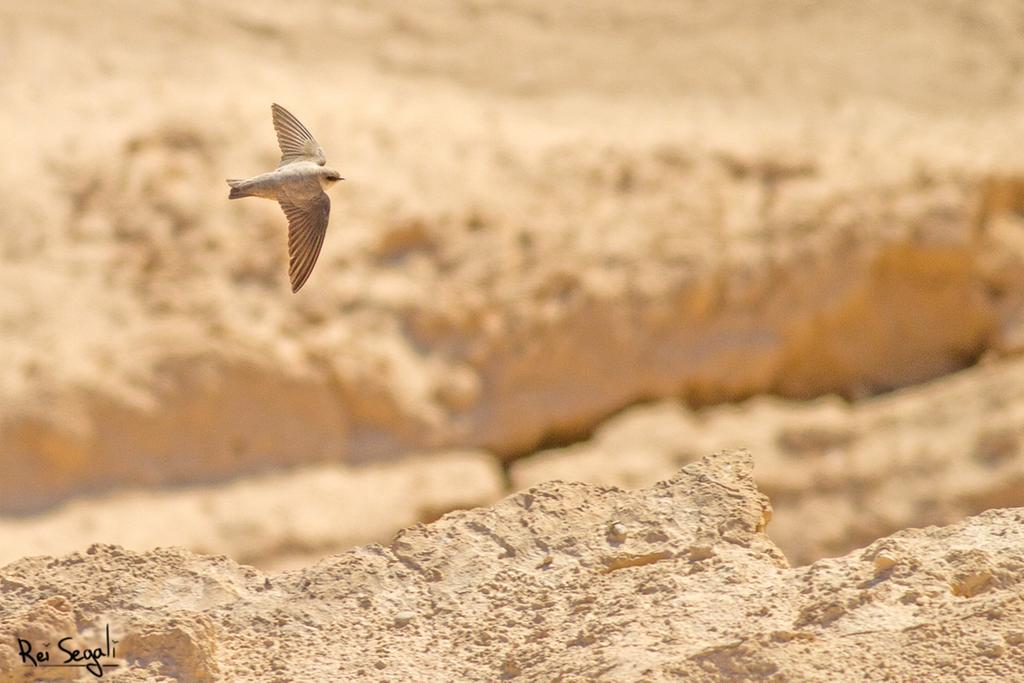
(307, 225)
(295, 140)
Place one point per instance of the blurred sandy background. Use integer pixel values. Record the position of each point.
(589, 240)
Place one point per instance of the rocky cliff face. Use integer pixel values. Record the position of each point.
(518, 251)
(588, 243)
(558, 582)
(839, 474)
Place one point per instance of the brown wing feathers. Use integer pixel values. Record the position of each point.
(295, 140)
(307, 226)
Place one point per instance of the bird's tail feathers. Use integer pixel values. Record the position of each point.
(237, 192)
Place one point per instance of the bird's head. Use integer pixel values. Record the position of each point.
(328, 176)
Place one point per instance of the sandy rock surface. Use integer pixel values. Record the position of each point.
(839, 474)
(668, 203)
(559, 582)
(633, 204)
(589, 242)
(285, 519)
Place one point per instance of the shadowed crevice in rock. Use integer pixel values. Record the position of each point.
(819, 323)
(839, 474)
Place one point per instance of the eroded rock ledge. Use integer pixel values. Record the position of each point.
(559, 582)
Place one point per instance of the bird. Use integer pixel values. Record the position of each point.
(298, 185)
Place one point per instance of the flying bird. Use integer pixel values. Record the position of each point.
(298, 185)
